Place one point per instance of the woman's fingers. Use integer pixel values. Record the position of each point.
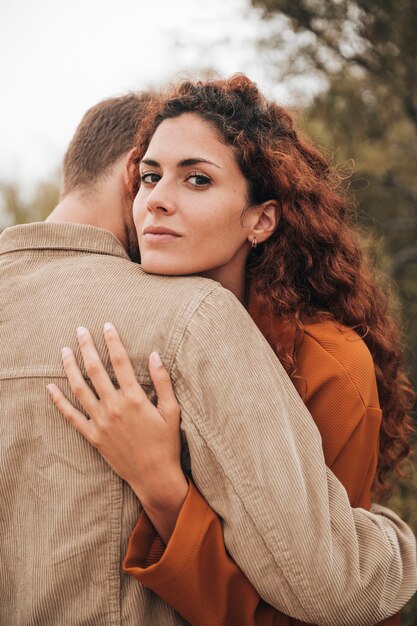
(122, 365)
(75, 417)
(79, 387)
(93, 364)
(167, 402)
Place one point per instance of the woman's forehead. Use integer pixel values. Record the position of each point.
(188, 137)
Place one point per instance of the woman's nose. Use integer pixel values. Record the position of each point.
(160, 199)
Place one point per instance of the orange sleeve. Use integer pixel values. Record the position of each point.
(194, 574)
(336, 378)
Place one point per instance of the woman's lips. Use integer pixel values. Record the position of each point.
(151, 237)
(157, 234)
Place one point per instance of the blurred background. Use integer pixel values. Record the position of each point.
(346, 68)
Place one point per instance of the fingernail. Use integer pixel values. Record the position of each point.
(156, 359)
(107, 327)
(66, 352)
(51, 388)
(81, 331)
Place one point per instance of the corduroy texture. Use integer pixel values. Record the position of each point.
(256, 453)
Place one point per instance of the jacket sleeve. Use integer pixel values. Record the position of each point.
(194, 574)
(288, 523)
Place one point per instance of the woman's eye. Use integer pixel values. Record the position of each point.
(150, 178)
(199, 180)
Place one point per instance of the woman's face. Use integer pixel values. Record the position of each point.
(188, 211)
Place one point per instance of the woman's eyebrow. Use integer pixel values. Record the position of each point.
(151, 162)
(183, 163)
(196, 161)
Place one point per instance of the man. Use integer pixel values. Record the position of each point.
(66, 517)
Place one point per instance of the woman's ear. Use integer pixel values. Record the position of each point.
(268, 214)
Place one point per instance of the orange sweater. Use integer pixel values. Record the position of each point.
(194, 574)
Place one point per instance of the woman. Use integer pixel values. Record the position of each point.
(229, 191)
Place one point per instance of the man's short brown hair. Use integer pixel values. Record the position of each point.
(105, 133)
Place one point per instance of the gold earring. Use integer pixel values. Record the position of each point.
(254, 243)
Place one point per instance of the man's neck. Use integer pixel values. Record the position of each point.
(95, 209)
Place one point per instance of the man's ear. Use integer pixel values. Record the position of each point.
(268, 214)
(130, 167)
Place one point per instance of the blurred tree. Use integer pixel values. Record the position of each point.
(375, 37)
(16, 210)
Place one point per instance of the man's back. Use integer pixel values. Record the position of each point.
(66, 517)
(256, 454)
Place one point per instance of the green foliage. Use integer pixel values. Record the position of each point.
(375, 37)
(17, 210)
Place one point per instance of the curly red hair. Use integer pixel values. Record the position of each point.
(312, 268)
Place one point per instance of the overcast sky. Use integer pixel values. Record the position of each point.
(57, 58)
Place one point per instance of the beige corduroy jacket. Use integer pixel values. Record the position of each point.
(65, 517)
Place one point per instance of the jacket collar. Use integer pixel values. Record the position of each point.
(61, 236)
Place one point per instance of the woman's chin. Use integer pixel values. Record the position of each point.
(156, 264)
(162, 268)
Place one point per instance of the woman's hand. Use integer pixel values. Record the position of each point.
(139, 441)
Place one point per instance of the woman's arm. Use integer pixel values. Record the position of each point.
(351, 445)
(359, 522)
(194, 573)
